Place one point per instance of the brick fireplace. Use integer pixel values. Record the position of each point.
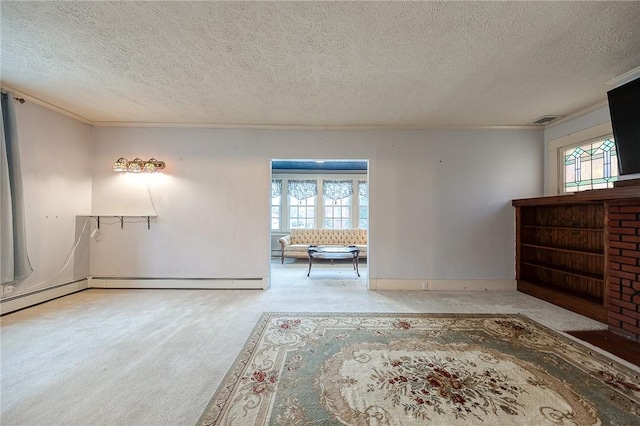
(623, 228)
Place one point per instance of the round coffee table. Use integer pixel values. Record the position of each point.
(332, 253)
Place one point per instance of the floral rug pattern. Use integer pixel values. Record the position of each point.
(413, 369)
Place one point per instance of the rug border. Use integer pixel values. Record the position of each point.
(234, 372)
(240, 361)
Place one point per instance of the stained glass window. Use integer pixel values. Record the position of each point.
(590, 166)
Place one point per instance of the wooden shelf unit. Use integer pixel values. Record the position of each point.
(561, 253)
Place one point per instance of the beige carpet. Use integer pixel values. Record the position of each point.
(155, 357)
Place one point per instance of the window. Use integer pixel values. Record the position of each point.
(363, 204)
(337, 195)
(276, 203)
(275, 213)
(302, 203)
(302, 212)
(591, 165)
(337, 213)
(319, 202)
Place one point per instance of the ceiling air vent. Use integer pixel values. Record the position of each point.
(545, 119)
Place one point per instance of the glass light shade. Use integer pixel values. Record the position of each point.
(121, 165)
(153, 165)
(150, 166)
(136, 165)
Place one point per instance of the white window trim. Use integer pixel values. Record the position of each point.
(555, 183)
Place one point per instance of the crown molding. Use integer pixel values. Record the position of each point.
(45, 104)
(577, 114)
(306, 127)
(625, 78)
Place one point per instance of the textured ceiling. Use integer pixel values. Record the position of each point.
(401, 64)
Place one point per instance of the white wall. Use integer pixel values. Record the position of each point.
(56, 154)
(439, 199)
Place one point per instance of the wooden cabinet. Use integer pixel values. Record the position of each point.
(581, 251)
(561, 253)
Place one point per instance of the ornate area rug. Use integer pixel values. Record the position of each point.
(416, 369)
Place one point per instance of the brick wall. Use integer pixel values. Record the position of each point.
(623, 227)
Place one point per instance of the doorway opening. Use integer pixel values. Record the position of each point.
(319, 202)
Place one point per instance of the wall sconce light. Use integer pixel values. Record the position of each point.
(121, 165)
(153, 165)
(137, 165)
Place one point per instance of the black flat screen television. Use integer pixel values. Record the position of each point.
(624, 108)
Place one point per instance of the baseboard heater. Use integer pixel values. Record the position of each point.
(258, 283)
(24, 300)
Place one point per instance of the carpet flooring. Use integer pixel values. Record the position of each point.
(155, 357)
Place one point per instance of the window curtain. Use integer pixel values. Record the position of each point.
(276, 188)
(302, 189)
(337, 189)
(13, 245)
(363, 189)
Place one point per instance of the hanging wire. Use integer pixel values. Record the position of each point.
(68, 258)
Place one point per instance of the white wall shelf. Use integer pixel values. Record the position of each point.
(121, 217)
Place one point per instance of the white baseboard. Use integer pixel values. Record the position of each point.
(442, 285)
(181, 283)
(24, 300)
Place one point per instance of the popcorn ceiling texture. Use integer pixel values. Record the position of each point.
(318, 63)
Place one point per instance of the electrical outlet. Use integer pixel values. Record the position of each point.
(424, 285)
